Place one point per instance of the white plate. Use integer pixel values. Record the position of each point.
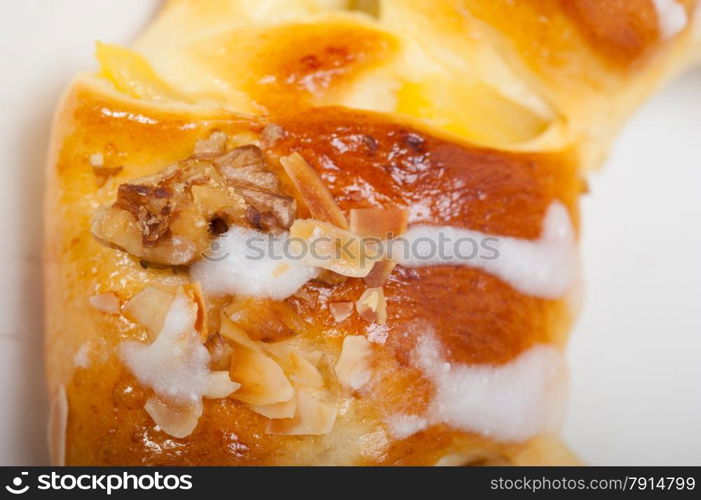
(635, 355)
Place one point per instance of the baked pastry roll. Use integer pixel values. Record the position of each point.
(322, 232)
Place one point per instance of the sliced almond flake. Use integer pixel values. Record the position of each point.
(353, 368)
(149, 308)
(311, 298)
(341, 310)
(312, 418)
(313, 192)
(177, 420)
(262, 380)
(280, 352)
(219, 352)
(231, 331)
(265, 319)
(331, 248)
(372, 306)
(277, 410)
(104, 173)
(58, 424)
(383, 223)
(313, 357)
(379, 274)
(305, 374)
(356, 195)
(194, 291)
(330, 278)
(220, 385)
(105, 302)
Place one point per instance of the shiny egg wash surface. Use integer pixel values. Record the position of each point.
(365, 160)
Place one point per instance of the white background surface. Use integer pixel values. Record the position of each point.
(635, 354)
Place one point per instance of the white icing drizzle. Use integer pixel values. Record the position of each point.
(510, 402)
(176, 364)
(236, 269)
(671, 16)
(545, 267)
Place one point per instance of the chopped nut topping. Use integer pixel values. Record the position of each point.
(313, 192)
(233, 333)
(265, 319)
(104, 173)
(330, 278)
(149, 308)
(277, 410)
(220, 385)
(356, 195)
(353, 366)
(262, 380)
(372, 306)
(304, 372)
(379, 274)
(378, 222)
(280, 381)
(175, 419)
(341, 310)
(168, 218)
(312, 418)
(334, 249)
(310, 298)
(194, 291)
(105, 302)
(219, 352)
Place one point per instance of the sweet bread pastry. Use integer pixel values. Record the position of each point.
(328, 232)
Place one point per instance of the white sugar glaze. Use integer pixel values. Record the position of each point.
(511, 402)
(237, 267)
(176, 364)
(545, 267)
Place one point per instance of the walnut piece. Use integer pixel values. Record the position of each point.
(170, 218)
